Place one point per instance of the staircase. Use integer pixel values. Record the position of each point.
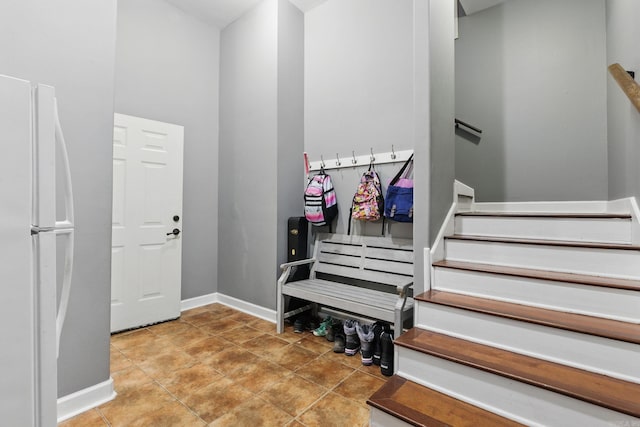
(531, 319)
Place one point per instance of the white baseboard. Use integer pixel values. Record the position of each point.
(76, 403)
(188, 304)
(249, 308)
(244, 306)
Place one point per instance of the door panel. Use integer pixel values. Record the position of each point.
(147, 193)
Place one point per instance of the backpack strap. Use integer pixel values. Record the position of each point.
(401, 171)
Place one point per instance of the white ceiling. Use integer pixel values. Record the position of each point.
(223, 12)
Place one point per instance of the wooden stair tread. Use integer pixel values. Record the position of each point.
(546, 242)
(613, 329)
(568, 215)
(584, 279)
(422, 406)
(608, 392)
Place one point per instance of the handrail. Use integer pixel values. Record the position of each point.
(627, 84)
(467, 125)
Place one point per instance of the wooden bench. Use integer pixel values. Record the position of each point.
(369, 276)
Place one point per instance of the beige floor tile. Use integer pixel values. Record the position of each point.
(170, 328)
(185, 381)
(117, 360)
(153, 347)
(90, 418)
(202, 318)
(354, 362)
(217, 399)
(195, 311)
(318, 345)
(258, 376)
(290, 336)
(373, 370)
(359, 386)
(188, 337)
(325, 372)
(173, 414)
(134, 403)
(263, 325)
(162, 366)
(265, 344)
(224, 309)
(208, 347)
(336, 411)
(293, 394)
(241, 317)
(254, 412)
(232, 369)
(231, 360)
(219, 326)
(291, 357)
(241, 335)
(125, 340)
(130, 378)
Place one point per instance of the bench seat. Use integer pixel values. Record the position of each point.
(369, 276)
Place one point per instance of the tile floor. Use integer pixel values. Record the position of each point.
(220, 367)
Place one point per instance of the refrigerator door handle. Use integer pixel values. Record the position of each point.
(68, 189)
(64, 227)
(66, 283)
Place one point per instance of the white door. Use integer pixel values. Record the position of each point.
(147, 211)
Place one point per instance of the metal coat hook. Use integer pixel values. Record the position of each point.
(354, 160)
(373, 158)
(393, 152)
(321, 162)
(338, 160)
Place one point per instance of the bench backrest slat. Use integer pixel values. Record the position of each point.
(342, 260)
(401, 268)
(380, 260)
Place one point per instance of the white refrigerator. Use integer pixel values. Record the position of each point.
(34, 294)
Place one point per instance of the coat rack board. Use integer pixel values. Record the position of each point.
(337, 161)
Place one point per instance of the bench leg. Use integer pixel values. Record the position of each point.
(397, 324)
(279, 309)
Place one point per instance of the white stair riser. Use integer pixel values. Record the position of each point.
(378, 418)
(611, 230)
(610, 303)
(602, 262)
(524, 403)
(601, 355)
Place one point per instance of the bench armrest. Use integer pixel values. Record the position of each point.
(296, 263)
(402, 289)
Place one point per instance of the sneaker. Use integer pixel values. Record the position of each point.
(312, 323)
(339, 342)
(321, 330)
(335, 326)
(352, 343)
(377, 349)
(365, 334)
(298, 325)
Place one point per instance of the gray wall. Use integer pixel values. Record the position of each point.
(290, 120)
(623, 35)
(70, 44)
(532, 75)
(252, 137)
(167, 66)
(359, 92)
(442, 105)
